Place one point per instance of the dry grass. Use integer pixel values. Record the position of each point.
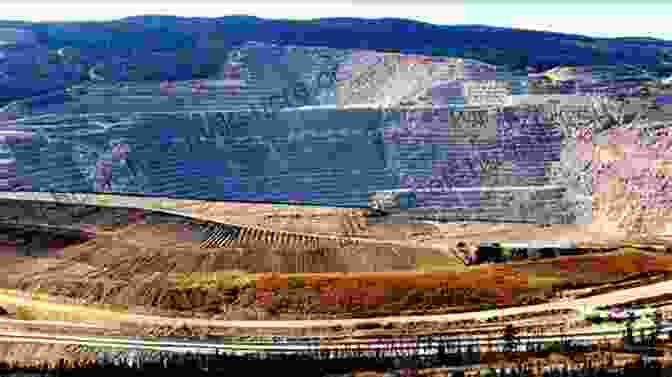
(485, 276)
(628, 260)
(594, 270)
(357, 294)
(437, 263)
(36, 312)
(153, 266)
(543, 281)
(231, 279)
(25, 313)
(39, 306)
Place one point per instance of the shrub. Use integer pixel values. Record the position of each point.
(41, 290)
(295, 282)
(552, 347)
(117, 307)
(595, 319)
(220, 280)
(264, 297)
(488, 306)
(25, 313)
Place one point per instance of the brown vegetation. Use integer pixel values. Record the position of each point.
(595, 269)
(157, 268)
(28, 354)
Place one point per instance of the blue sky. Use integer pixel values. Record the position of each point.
(590, 17)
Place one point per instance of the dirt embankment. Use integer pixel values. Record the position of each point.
(161, 269)
(29, 354)
(243, 296)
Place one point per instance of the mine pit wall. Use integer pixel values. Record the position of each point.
(535, 205)
(41, 228)
(322, 156)
(41, 241)
(37, 212)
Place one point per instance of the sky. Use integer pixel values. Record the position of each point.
(598, 18)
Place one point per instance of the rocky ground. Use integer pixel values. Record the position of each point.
(157, 269)
(146, 267)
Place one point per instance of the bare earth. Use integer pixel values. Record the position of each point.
(139, 269)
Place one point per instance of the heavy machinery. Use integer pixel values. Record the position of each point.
(494, 251)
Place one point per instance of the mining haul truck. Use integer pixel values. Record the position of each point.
(494, 251)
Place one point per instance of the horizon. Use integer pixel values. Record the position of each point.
(641, 20)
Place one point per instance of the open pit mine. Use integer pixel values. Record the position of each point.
(440, 139)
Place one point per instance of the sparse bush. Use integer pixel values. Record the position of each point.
(488, 306)
(597, 319)
(295, 282)
(552, 347)
(219, 280)
(117, 307)
(25, 313)
(41, 290)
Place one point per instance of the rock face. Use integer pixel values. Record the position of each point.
(282, 124)
(29, 69)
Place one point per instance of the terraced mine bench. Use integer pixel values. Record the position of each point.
(219, 146)
(298, 157)
(527, 204)
(32, 225)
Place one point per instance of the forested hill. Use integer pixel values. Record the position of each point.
(490, 44)
(198, 46)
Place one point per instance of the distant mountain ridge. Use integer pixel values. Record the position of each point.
(409, 36)
(196, 47)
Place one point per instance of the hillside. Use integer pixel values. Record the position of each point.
(151, 48)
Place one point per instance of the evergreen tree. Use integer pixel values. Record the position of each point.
(628, 328)
(659, 327)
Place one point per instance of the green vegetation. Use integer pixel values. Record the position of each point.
(490, 314)
(488, 372)
(595, 318)
(488, 307)
(552, 347)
